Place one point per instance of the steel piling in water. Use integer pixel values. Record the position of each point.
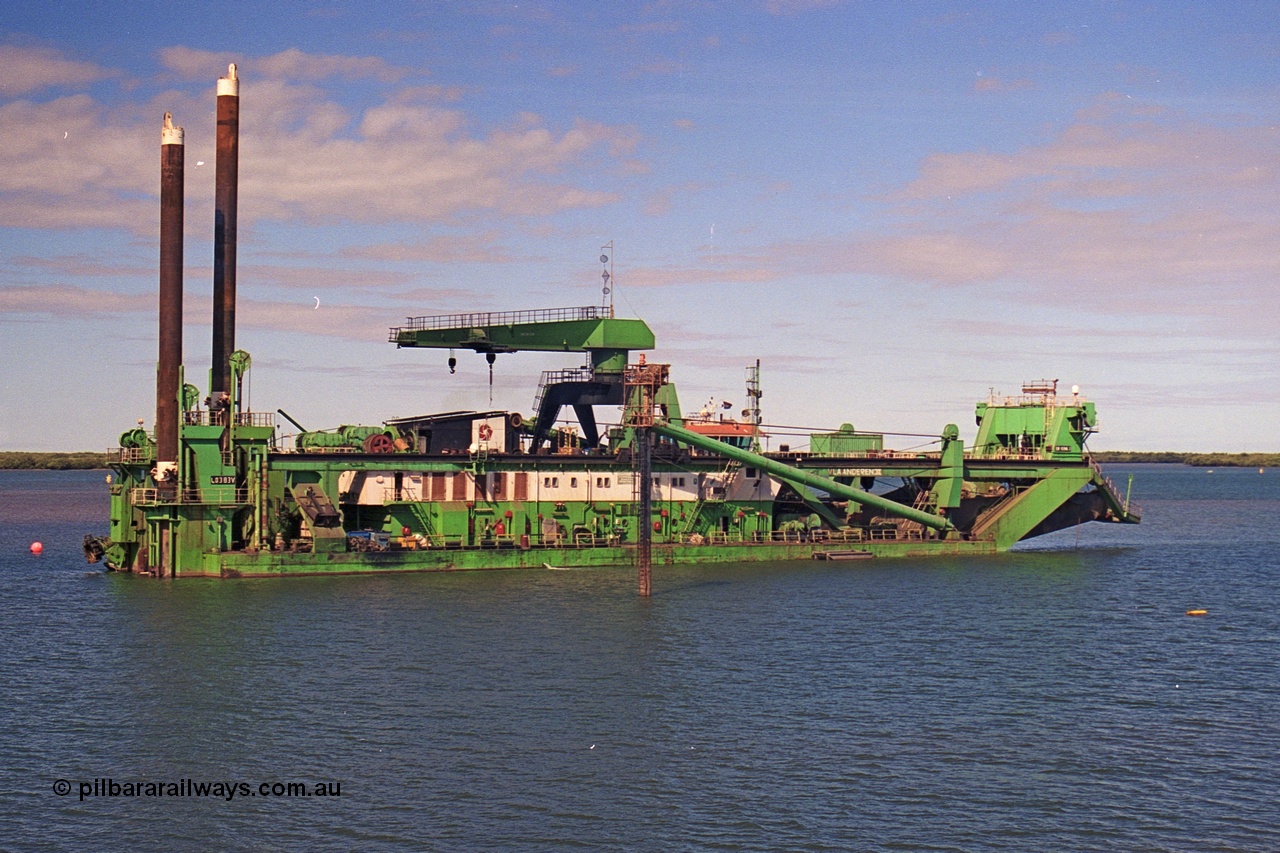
(644, 477)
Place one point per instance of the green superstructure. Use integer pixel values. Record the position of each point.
(217, 490)
(244, 503)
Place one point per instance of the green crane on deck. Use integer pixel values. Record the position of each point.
(607, 340)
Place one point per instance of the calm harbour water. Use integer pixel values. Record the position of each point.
(1055, 698)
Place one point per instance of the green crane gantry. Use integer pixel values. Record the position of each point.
(607, 341)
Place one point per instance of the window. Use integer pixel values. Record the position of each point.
(573, 482)
(439, 487)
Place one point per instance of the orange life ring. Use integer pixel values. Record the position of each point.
(486, 432)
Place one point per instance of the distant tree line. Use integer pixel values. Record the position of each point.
(19, 460)
(1200, 460)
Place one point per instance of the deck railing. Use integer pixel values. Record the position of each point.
(555, 377)
(213, 496)
(1130, 507)
(131, 455)
(203, 417)
(481, 319)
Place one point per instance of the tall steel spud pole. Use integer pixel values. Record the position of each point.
(168, 368)
(227, 171)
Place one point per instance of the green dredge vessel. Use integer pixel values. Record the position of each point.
(218, 490)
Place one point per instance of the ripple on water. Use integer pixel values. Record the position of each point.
(1055, 698)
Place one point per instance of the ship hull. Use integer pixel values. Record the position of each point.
(268, 564)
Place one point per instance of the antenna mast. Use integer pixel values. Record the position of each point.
(752, 412)
(606, 295)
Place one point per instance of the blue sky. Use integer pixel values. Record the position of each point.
(896, 207)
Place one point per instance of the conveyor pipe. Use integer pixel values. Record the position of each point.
(794, 475)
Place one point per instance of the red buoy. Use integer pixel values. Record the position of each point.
(37, 548)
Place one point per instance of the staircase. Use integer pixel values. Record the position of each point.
(705, 497)
(1123, 508)
(555, 377)
(991, 513)
(419, 511)
(908, 529)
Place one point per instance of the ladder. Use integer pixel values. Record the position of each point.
(705, 497)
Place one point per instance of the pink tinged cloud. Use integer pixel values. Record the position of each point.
(34, 69)
(70, 163)
(939, 257)
(451, 248)
(69, 301)
(724, 269)
(292, 64)
(417, 164)
(352, 322)
(995, 85)
(795, 7)
(348, 322)
(63, 165)
(1119, 198)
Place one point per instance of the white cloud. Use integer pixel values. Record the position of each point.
(1125, 205)
(795, 7)
(67, 301)
(291, 64)
(399, 157)
(34, 69)
(64, 164)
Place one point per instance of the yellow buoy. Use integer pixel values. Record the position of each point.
(1197, 612)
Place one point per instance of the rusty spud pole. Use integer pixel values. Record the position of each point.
(227, 171)
(169, 366)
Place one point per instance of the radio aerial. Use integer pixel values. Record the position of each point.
(606, 300)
